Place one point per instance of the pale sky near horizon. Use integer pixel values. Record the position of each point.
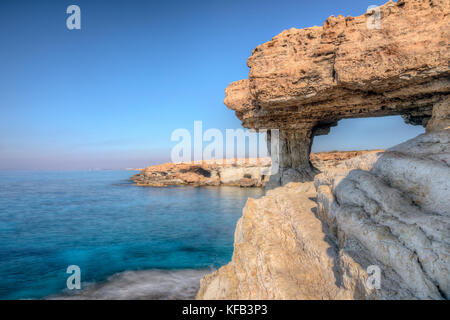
(110, 95)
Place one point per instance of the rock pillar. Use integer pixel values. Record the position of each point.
(293, 157)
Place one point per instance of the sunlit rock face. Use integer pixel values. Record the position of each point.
(305, 80)
(385, 210)
(317, 240)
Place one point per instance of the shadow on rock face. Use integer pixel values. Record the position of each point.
(395, 215)
(198, 170)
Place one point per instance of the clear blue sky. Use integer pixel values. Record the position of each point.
(110, 95)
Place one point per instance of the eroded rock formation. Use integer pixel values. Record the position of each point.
(242, 173)
(304, 81)
(316, 241)
(399, 211)
(389, 210)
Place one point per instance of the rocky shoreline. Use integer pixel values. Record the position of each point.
(241, 172)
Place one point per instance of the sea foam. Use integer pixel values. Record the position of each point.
(136, 285)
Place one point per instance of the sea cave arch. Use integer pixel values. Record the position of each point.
(355, 137)
(296, 140)
(366, 134)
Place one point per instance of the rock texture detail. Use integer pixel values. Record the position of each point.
(399, 212)
(304, 81)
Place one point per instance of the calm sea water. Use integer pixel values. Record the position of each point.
(129, 241)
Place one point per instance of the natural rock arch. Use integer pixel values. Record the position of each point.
(391, 209)
(365, 134)
(305, 80)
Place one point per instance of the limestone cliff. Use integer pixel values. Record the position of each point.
(391, 210)
(304, 81)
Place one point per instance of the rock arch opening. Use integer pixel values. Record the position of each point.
(366, 134)
(354, 137)
(304, 81)
(296, 138)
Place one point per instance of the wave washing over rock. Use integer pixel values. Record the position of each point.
(140, 285)
(313, 236)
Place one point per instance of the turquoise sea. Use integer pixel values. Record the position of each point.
(129, 242)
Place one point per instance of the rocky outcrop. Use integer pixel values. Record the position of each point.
(242, 173)
(278, 241)
(304, 81)
(325, 160)
(317, 241)
(398, 211)
(380, 214)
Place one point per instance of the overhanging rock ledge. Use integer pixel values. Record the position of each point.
(304, 81)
